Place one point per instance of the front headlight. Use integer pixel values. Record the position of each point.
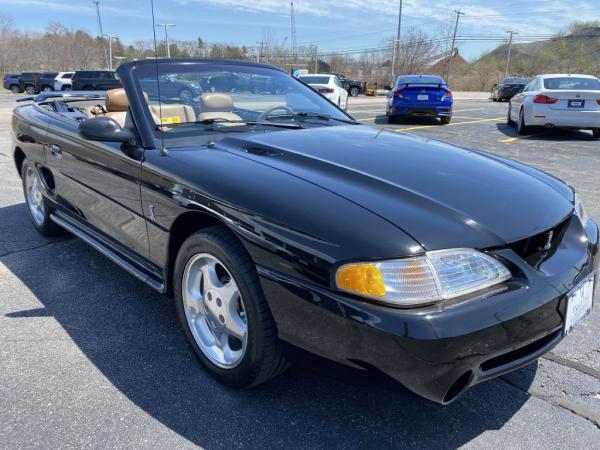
(438, 275)
(580, 210)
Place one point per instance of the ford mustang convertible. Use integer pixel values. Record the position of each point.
(277, 221)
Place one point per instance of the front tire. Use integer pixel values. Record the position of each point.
(596, 133)
(223, 311)
(445, 119)
(15, 89)
(354, 91)
(39, 212)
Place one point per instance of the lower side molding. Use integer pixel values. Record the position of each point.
(64, 222)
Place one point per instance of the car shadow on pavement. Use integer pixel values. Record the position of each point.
(548, 134)
(132, 335)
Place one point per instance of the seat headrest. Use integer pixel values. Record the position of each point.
(116, 100)
(214, 102)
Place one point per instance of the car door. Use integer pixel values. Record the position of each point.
(517, 100)
(97, 184)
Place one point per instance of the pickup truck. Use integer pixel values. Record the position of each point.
(354, 87)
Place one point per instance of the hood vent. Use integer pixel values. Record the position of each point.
(260, 150)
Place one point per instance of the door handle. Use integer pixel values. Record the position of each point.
(56, 151)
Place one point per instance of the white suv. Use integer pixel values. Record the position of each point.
(62, 82)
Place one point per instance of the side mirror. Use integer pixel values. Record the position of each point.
(387, 87)
(104, 129)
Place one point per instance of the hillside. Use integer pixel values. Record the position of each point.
(578, 51)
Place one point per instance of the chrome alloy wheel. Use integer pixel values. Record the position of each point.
(214, 310)
(35, 199)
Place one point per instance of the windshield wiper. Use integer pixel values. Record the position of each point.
(313, 115)
(240, 121)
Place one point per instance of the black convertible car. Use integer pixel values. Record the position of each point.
(277, 218)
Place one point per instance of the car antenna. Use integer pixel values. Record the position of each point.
(163, 150)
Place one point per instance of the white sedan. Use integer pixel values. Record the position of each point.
(559, 100)
(329, 86)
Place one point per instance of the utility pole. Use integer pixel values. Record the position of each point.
(293, 42)
(508, 54)
(458, 14)
(316, 59)
(166, 26)
(110, 54)
(260, 51)
(100, 31)
(396, 43)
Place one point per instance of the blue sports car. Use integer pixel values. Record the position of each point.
(419, 96)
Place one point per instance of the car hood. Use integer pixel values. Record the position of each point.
(442, 195)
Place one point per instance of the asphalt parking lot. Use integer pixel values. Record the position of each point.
(92, 358)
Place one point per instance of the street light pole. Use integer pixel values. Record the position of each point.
(110, 54)
(166, 26)
(396, 42)
(510, 39)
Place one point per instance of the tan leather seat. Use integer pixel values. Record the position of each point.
(172, 113)
(117, 105)
(217, 106)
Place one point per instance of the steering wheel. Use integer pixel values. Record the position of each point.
(265, 114)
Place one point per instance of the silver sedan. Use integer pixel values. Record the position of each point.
(557, 100)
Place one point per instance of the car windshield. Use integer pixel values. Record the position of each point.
(514, 81)
(420, 79)
(581, 84)
(197, 97)
(315, 80)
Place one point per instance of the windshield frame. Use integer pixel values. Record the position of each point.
(150, 136)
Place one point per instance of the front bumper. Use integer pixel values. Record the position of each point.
(440, 350)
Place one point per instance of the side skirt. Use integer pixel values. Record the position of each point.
(65, 222)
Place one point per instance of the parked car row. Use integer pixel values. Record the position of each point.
(35, 82)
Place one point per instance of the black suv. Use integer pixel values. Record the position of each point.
(45, 82)
(96, 80)
(28, 81)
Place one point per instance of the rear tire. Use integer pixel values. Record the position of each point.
(509, 120)
(354, 91)
(34, 190)
(521, 127)
(596, 133)
(248, 362)
(445, 119)
(30, 89)
(47, 89)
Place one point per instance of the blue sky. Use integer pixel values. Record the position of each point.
(331, 24)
